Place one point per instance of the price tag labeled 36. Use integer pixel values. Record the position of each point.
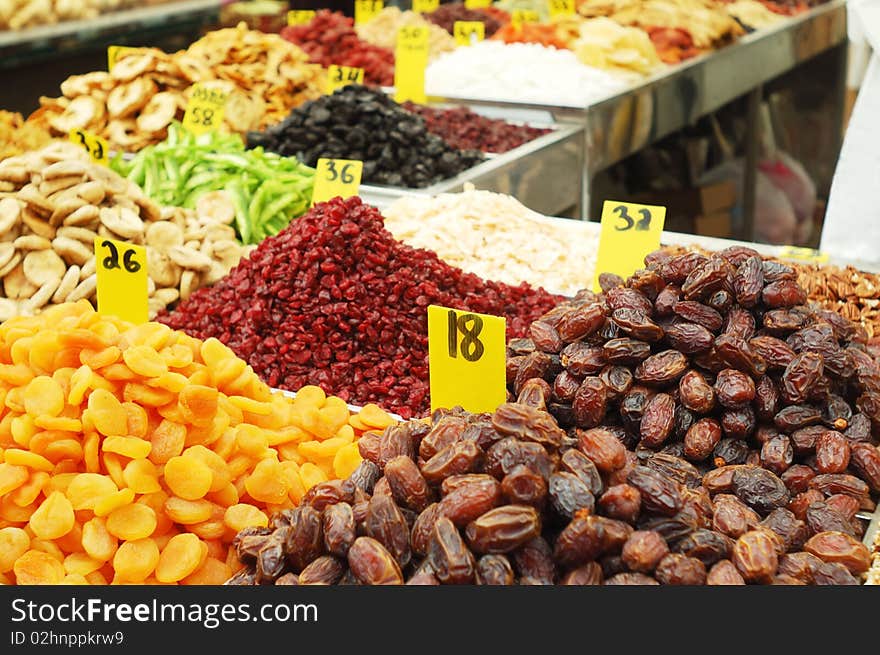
(204, 111)
(468, 32)
(628, 233)
(336, 177)
(122, 279)
(340, 76)
(466, 359)
(92, 144)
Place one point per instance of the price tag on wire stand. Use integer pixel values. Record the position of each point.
(477, 4)
(807, 255)
(628, 233)
(114, 52)
(425, 6)
(365, 10)
(561, 8)
(336, 177)
(340, 76)
(466, 359)
(410, 61)
(520, 16)
(300, 16)
(204, 111)
(121, 270)
(92, 144)
(468, 32)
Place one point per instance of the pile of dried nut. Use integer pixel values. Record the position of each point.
(54, 202)
(851, 293)
(132, 106)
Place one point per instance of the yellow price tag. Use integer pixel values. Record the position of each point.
(804, 254)
(366, 10)
(561, 7)
(468, 32)
(466, 359)
(204, 111)
(425, 6)
(340, 76)
(114, 52)
(628, 233)
(92, 144)
(122, 279)
(410, 61)
(477, 4)
(520, 16)
(300, 16)
(336, 177)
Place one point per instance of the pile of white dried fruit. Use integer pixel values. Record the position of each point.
(54, 202)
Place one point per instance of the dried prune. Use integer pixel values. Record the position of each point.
(678, 569)
(701, 439)
(643, 551)
(470, 500)
(659, 494)
(748, 281)
(626, 351)
(734, 388)
(372, 564)
(755, 557)
(832, 452)
(568, 494)
(503, 529)
(622, 502)
(707, 546)
(460, 457)
(448, 555)
(841, 548)
(662, 368)
(724, 573)
(522, 486)
(699, 313)
(689, 338)
(737, 353)
(657, 420)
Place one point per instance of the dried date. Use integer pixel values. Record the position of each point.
(626, 351)
(637, 324)
(372, 564)
(503, 529)
(840, 548)
(695, 393)
(448, 555)
(748, 281)
(708, 546)
(734, 388)
(590, 403)
(678, 569)
(470, 500)
(643, 551)
(460, 457)
(724, 573)
(701, 439)
(688, 338)
(663, 368)
(603, 449)
(545, 337)
(494, 570)
(569, 494)
(657, 420)
(832, 452)
(777, 454)
(755, 557)
(737, 353)
(699, 313)
(659, 494)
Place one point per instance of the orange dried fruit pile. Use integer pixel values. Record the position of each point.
(135, 453)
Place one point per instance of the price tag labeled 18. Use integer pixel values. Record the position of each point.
(804, 254)
(300, 16)
(410, 61)
(561, 7)
(94, 145)
(477, 4)
(122, 279)
(336, 177)
(340, 76)
(425, 6)
(204, 111)
(114, 52)
(520, 16)
(628, 233)
(468, 32)
(365, 10)
(466, 359)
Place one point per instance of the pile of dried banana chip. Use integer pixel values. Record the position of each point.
(132, 106)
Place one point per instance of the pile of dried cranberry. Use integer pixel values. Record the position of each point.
(335, 300)
(330, 38)
(447, 15)
(462, 128)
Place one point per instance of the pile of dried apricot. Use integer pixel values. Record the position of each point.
(134, 454)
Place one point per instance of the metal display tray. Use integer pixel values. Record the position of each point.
(543, 174)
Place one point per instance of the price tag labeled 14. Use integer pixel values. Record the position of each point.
(425, 6)
(122, 279)
(628, 233)
(340, 76)
(204, 111)
(466, 359)
(468, 32)
(365, 10)
(410, 61)
(300, 16)
(94, 145)
(804, 254)
(336, 177)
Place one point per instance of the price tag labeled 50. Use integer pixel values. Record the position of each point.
(121, 270)
(629, 232)
(336, 177)
(466, 359)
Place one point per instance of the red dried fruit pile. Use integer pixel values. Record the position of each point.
(330, 38)
(467, 130)
(335, 300)
(447, 15)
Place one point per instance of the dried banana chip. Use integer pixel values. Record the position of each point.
(68, 284)
(32, 242)
(41, 266)
(10, 213)
(84, 289)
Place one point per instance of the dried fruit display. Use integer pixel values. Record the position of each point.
(59, 201)
(382, 31)
(510, 498)
(358, 122)
(446, 15)
(334, 300)
(603, 43)
(22, 14)
(135, 453)
(330, 38)
(17, 137)
(462, 128)
(133, 105)
(853, 294)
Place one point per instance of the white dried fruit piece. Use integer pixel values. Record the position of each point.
(217, 205)
(151, 286)
(73, 252)
(189, 258)
(14, 173)
(64, 168)
(149, 210)
(82, 112)
(49, 187)
(10, 213)
(85, 215)
(125, 100)
(77, 234)
(82, 85)
(87, 269)
(158, 113)
(163, 235)
(32, 242)
(10, 265)
(189, 282)
(161, 269)
(132, 66)
(42, 295)
(37, 225)
(121, 221)
(123, 133)
(16, 285)
(11, 235)
(92, 192)
(84, 289)
(40, 266)
(7, 252)
(35, 200)
(68, 284)
(166, 296)
(218, 272)
(64, 207)
(8, 309)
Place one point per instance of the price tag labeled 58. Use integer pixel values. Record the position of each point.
(629, 232)
(336, 177)
(466, 359)
(121, 270)
(204, 111)
(92, 144)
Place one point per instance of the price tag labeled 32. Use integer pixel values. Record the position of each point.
(336, 177)
(466, 359)
(92, 144)
(204, 111)
(628, 233)
(340, 76)
(410, 61)
(121, 270)
(468, 32)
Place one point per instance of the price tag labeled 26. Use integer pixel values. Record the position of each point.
(466, 359)
(94, 145)
(204, 111)
(122, 279)
(629, 232)
(468, 32)
(340, 76)
(336, 177)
